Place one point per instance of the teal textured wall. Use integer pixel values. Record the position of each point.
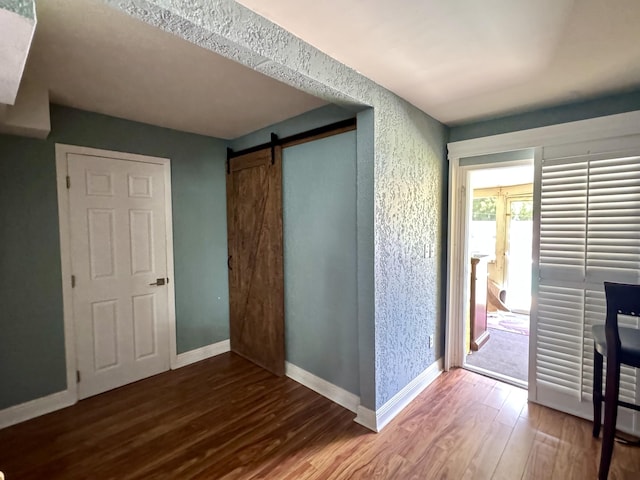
(24, 8)
(598, 107)
(32, 362)
(320, 258)
(399, 181)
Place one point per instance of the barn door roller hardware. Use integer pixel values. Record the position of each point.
(316, 133)
(272, 145)
(274, 142)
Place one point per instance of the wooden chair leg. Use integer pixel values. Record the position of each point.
(597, 392)
(610, 417)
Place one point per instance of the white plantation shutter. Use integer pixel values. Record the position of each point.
(563, 213)
(589, 234)
(613, 246)
(560, 333)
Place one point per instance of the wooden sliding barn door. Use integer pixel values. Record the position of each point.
(256, 279)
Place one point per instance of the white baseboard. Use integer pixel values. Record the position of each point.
(367, 418)
(41, 406)
(35, 408)
(334, 393)
(193, 356)
(400, 400)
(373, 420)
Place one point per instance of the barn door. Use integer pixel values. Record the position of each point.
(256, 280)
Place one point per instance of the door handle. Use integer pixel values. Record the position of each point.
(229, 262)
(159, 282)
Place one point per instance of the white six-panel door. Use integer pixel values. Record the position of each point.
(117, 223)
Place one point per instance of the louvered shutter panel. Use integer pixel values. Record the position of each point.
(613, 249)
(563, 213)
(560, 332)
(613, 226)
(560, 300)
(589, 234)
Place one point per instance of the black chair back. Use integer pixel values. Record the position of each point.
(622, 299)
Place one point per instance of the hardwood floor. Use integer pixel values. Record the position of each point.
(224, 418)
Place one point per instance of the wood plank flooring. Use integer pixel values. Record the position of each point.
(225, 418)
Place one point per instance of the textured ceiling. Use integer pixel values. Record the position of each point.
(468, 59)
(98, 59)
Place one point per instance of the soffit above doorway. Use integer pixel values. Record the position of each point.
(95, 58)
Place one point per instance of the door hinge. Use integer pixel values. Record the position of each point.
(73, 281)
(68, 181)
(78, 376)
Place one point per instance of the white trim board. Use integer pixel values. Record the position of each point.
(202, 353)
(404, 397)
(171, 297)
(35, 408)
(56, 401)
(618, 125)
(62, 151)
(334, 393)
(367, 418)
(458, 266)
(379, 419)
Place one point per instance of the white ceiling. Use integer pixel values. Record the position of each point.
(96, 58)
(456, 60)
(467, 59)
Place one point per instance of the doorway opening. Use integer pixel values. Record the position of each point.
(499, 253)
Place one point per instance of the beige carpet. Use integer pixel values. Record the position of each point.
(506, 353)
(509, 322)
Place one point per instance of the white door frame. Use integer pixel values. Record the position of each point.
(62, 151)
(458, 266)
(614, 127)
